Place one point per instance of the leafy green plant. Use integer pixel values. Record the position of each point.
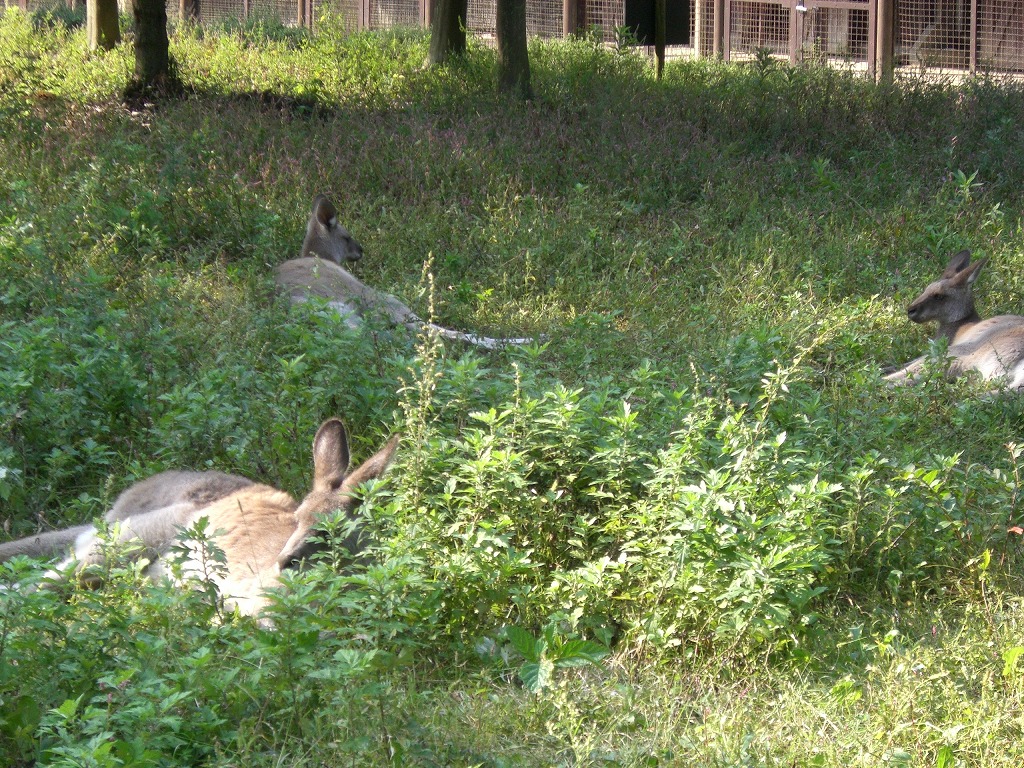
(543, 655)
(696, 463)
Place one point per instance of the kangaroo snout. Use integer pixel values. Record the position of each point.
(356, 252)
(296, 559)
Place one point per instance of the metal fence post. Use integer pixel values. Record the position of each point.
(885, 38)
(570, 17)
(718, 48)
(797, 12)
(974, 37)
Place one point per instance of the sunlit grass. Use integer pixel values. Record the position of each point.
(715, 268)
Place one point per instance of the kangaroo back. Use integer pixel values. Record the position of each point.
(42, 545)
(319, 272)
(994, 348)
(178, 490)
(259, 528)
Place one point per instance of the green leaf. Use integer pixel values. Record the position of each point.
(523, 642)
(27, 713)
(68, 709)
(1010, 657)
(536, 675)
(846, 692)
(577, 653)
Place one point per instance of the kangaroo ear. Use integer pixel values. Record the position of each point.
(958, 263)
(324, 211)
(330, 455)
(375, 466)
(971, 273)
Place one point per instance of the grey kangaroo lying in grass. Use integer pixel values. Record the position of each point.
(264, 530)
(993, 347)
(320, 272)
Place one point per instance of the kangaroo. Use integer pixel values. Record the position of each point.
(993, 347)
(320, 272)
(262, 530)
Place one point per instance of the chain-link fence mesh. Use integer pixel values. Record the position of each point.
(480, 17)
(960, 34)
(384, 14)
(933, 33)
(346, 12)
(1001, 36)
(930, 35)
(758, 25)
(602, 18)
(837, 32)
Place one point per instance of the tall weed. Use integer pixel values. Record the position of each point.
(696, 461)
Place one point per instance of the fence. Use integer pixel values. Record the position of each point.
(927, 35)
(958, 35)
(924, 35)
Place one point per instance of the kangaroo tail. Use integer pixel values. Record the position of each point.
(480, 341)
(46, 544)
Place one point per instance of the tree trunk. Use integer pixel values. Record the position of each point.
(885, 42)
(154, 68)
(447, 30)
(101, 23)
(513, 56)
(659, 35)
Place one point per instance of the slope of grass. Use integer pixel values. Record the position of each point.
(696, 466)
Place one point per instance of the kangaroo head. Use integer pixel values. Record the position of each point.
(950, 299)
(333, 487)
(326, 238)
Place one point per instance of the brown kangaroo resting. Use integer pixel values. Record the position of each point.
(993, 347)
(320, 272)
(264, 529)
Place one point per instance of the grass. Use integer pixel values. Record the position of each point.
(698, 466)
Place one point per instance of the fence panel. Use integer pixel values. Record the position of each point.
(385, 14)
(1000, 33)
(219, 11)
(834, 30)
(930, 35)
(346, 12)
(543, 18)
(933, 34)
(757, 25)
(603, 17)
(960, 35)
(480, 17)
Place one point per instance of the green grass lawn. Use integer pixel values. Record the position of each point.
(696, 467)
